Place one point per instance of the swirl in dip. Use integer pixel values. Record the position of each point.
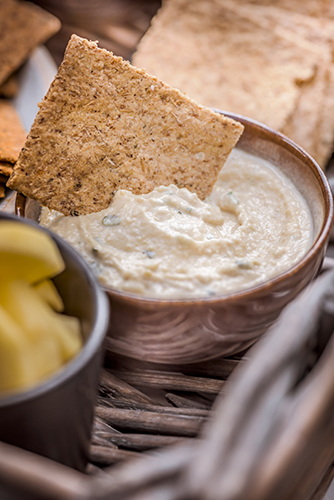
(170, 244)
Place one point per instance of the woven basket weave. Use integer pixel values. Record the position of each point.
(270, 434)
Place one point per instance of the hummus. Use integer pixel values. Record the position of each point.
(168, 243)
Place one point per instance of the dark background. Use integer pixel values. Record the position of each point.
(118, 25)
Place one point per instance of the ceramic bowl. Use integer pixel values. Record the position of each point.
(54, 418)
(192, 330)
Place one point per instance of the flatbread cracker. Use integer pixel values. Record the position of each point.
(6, 168)
(23, 26)
(325, 132)
(317, 31)
(304, 123)
(315, 8)
(9, 88)
(311, 125)
(12, 134)
(3, 178)
(105, 125)
(224, 60)
(314, 35)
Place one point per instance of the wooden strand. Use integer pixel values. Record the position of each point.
(137, 442)
(150, 422)
(185, 402)
(100, 426)
(171, 381)
(119, 389)
(103, 439)
(127, 405)
(109, 455)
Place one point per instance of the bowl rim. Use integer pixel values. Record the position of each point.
(94, 342)
(266, 285)
(321, 239)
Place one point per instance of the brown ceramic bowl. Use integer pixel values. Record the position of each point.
(191, 330)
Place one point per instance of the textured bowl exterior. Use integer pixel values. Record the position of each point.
(54, 419)
(194, 330)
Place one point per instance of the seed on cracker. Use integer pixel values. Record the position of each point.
(105, 125)
(23, 26)
(12, 134)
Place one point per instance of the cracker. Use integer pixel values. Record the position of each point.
(12, 134)
(312, 34)
(23, 26)
(225, 60)
(3, 178)
(304, 124)
(105, 125)
(311, 125)
(325, 132)
(6, 168)
(10, 87)
(315, 8)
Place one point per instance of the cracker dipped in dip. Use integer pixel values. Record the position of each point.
(133, 175)
(168, 243)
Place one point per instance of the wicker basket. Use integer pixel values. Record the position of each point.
(270, 434)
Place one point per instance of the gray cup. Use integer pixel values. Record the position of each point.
(54, 419)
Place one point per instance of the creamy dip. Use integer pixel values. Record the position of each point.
(169, 243)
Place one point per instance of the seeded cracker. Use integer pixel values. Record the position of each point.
(105, 125)
(23, 26)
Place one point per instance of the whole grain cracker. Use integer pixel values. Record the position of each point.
(12, 134)
(23, 26)
(105, 125)
(225, 60)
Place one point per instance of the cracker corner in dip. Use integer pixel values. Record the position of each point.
(140, 166)
(105, 125)
(170, 244)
